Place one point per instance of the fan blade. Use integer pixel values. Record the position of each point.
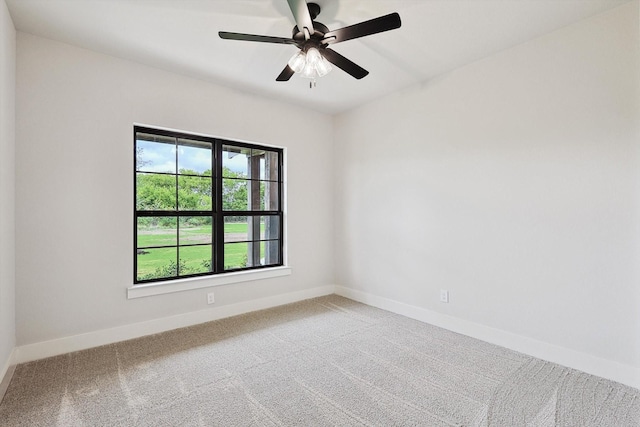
(285, 75)
(344, 64)
(255, 38)
(300, 12)
(366, 28)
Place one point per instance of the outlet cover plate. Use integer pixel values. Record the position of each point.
(444, 295)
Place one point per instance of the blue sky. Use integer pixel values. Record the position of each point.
(162, 158)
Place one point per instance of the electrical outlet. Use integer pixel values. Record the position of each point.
(444, 295)
(210, 298)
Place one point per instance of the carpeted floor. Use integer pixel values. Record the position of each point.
(325, 361)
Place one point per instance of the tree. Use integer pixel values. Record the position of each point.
(158, 192)
(140, 162)
(234, 191)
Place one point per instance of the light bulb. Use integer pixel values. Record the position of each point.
(313, 56)
(297, 62)
(323, 67)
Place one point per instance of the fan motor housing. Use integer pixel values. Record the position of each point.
(319, 31)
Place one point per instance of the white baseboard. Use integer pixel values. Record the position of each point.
(7, 373)
(615, 371)
(41, 350)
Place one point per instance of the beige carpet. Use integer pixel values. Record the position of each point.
(326, 361)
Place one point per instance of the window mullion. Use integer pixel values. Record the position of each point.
(177, 215)
(218, 235)
(280, 206)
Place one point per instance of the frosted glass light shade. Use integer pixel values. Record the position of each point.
(309, 71)
(313, 56)
(297, 62)
(323, 67)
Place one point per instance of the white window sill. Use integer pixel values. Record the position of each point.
(140, 291)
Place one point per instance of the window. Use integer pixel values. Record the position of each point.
(204, 206)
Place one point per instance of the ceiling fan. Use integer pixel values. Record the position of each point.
(313, 39)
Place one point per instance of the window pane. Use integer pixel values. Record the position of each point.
(250, 195)
(269, 164)
(243, 229)
(157, 231)
(235, 255)
(270, 252)
(254, 227)
(268, 196)
(195, 230)
(155, 153)
(155, 192)
(195, 259)
(234, 195)
(194, 193)
(269, 227)
(156, 263)
(235, 229)
(235, 161)
(194, 157)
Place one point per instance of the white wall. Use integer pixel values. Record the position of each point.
(513, 182)
(74, 185)
(7, 187)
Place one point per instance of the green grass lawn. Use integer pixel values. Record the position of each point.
(195, 259)
(167, 236)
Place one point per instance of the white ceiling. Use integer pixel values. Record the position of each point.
(436, 36)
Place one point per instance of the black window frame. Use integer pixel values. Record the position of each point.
(217, 213)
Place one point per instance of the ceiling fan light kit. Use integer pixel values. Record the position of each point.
(310, 64)
(313, 38)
